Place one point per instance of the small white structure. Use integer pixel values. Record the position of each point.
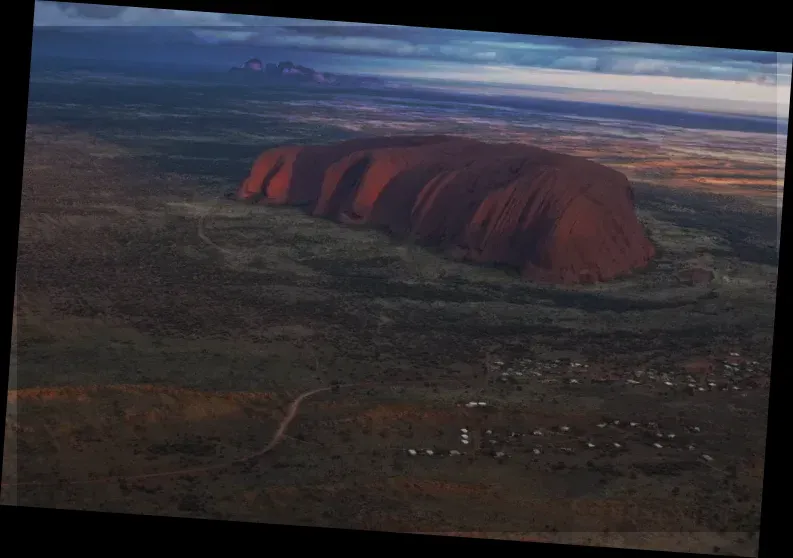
(536, 451)
(429, 452)
(411, 452)
(471, 404)
(706, 457)
(482, 403)
(670, 436)
(617, 445)
(488, 432)
(602, 425)
(565, 428)
(464, 430)
(668, 383)
(454, 452)
(590, 445)
(464, 441)
(500, 454)
(634, 424)
(463, 436)
(657, 445)
(537, 433)
(573, 381)
(695, 429)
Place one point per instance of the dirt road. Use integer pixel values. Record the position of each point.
(277, 438)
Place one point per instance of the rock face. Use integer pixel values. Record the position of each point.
(556, 218)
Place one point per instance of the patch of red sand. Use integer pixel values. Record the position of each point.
(84, 393)
(438, 488)
(556, 218)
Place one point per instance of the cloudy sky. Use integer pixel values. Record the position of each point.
(694, 78)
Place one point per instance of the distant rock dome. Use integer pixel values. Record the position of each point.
(253, 64)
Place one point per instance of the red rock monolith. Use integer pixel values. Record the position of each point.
(556, 218)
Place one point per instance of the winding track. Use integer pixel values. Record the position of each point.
(277, 438)
(202, 229)
(278, 435)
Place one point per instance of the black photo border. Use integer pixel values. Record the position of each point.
(31, 529)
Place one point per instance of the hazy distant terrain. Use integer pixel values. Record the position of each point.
(718, 153)
(161, 327)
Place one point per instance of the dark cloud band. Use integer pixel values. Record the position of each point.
(417, 44)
